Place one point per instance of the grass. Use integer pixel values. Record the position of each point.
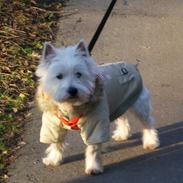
(24, 26)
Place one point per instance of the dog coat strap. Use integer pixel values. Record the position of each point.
(70, 123)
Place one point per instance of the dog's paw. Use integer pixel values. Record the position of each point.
(51, 162)
(153, 145)
(120, 137)
(94, 171)
(53, 155)
(121, 134)
(150, 139)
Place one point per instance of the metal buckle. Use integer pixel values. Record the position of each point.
(124, 71)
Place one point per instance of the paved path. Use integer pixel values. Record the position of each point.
(148, 31)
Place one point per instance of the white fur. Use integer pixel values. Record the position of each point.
(122, 131)
(54, 154)
(93, 159)
(67, 62)
(150, 139)
(142, 109)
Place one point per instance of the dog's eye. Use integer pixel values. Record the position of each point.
(60, 76)
(78, 74)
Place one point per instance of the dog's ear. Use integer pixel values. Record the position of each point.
(82, 48)
(48, 50)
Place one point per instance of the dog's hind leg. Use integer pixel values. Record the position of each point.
(122, 131)
(142, 109)
(93, 159)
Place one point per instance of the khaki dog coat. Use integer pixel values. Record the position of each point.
(121, 91)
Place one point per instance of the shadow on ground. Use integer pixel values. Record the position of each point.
(162, 165)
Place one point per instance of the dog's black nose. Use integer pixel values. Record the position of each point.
(72, 91)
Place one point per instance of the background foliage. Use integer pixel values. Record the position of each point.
(24, 26)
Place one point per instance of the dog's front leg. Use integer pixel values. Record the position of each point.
(54, 154)
(93, 159)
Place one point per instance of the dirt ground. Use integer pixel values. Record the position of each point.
(146, 32)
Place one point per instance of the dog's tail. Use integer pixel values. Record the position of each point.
(138, 63)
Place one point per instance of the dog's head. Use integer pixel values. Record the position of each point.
(68, 74)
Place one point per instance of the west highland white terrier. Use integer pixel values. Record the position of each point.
(74, 93)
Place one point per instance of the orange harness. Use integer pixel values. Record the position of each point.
(72, 123)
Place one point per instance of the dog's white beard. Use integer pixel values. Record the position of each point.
(83, 96)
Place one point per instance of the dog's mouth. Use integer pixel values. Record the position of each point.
(77, 100)
(73, 98)
(74, 101)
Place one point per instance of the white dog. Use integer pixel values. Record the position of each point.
(74, 93)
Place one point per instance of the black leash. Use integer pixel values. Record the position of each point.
(101, 26)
